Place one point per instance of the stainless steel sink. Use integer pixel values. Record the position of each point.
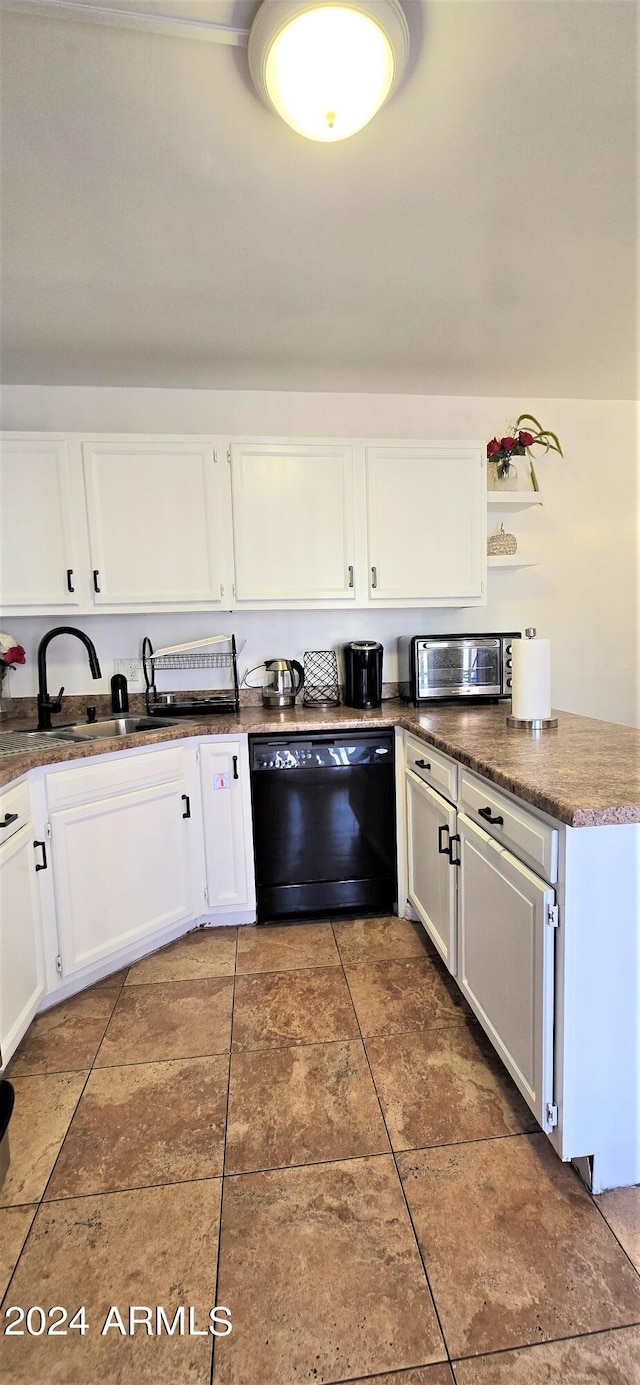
(113, 726)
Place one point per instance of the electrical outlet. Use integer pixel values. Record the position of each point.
(132, 669)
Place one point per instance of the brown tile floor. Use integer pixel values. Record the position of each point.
(302, 1124)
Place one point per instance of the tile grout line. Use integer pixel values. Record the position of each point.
(214, 1340)
(40, 1200)
(395, 1165)
(242, 1173)
(623, 1248)
(548, 1342)
(271, 1048)
(518, 1134)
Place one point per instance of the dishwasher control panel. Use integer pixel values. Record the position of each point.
(319, 754)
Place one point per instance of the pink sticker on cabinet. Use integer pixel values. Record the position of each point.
(221, 781)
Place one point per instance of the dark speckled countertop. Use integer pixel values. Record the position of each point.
(585, 773)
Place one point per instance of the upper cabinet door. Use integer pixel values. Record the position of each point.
(293, 522)
(154, 523)
(426, 514)
(38, 558)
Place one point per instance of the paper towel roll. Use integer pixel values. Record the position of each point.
(531, 688)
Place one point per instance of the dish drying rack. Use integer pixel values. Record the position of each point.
(197, 655)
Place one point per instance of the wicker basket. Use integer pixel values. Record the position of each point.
(501, 543)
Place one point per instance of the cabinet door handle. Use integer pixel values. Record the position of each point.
(455, 860)
(70, 586)
(374, 578)
(96, 584)
(235, 766)
(8, 819)
(444, 850)
(350, 571)
(42, 865)
(187, 805)
(423, 764)
(486, 814)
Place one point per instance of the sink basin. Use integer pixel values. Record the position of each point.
(113, 726)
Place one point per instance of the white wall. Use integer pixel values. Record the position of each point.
(584, 594)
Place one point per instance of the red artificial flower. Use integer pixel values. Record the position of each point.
(526, 439)
(15, 655)
(493, 446)
(508, 443)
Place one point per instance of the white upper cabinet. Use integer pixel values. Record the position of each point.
(154, 523)
(38, 551)
(293, 522)
(145, 523)
(426, 518)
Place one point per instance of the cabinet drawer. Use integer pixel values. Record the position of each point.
(432, 766)
(529, 838)
(100, 778)
(15, 810)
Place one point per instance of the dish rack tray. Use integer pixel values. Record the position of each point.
(177, 660)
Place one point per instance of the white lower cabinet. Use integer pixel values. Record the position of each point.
(21, 964)
(224, 777)
(122, 871)
(431, 881)
(506, 961)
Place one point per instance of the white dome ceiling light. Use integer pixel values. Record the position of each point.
(327, 67)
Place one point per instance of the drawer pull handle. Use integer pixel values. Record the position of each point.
(486, 814)
(43, 864)
(235, 766)
(423, 764)
(455, 860)
(70, 586)
(187, 806)
(8, 819)
(444, 850)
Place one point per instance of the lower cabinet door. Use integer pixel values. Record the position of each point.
(506, 961)
(224, 771)
(121, 871)
(432, 879)
(21, 963)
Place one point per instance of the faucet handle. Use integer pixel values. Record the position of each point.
(56, 702)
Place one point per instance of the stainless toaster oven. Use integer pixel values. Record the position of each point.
(447, 667)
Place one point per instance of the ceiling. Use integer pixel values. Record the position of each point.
(162, 227)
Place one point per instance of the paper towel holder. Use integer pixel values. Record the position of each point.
(535, 723)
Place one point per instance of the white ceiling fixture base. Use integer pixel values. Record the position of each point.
(327, 67)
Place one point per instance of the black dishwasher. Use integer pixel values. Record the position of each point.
(324, 824)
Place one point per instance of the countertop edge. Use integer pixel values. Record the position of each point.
(256, 722)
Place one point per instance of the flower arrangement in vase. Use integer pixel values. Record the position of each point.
(518, 442)
(11, 653)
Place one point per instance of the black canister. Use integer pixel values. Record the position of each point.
(362, 674)
(119, 693)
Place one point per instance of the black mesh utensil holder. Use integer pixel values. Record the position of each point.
(321, 687)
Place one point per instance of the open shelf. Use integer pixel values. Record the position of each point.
(512, 559)
(512, 500)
